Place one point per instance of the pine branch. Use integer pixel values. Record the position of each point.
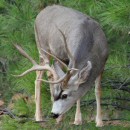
(93, 102)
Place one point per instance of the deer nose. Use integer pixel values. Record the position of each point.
(53, 115)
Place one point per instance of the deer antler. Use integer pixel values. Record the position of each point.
(37, 67)
(59, 61)
(67, 49)
(24, 54)
(56, 58)
(55, 82)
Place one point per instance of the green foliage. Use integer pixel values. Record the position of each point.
(17, 27)
(14, 124)
(116, 16)
(23, 108)
(8, 124)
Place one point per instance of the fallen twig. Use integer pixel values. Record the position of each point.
(6, 111)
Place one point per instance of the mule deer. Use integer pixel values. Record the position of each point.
(76, 41)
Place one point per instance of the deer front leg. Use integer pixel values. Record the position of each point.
(99, 122)
(38, 112)
(50, 77)
(78, 115)
(59, 119)
(38, 83)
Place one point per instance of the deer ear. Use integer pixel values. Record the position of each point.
(84, 73)
(58, 69)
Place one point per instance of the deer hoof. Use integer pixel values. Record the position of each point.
(78, 122)
(99, 124)
(59, 119)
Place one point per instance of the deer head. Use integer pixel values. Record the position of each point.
(65, 93)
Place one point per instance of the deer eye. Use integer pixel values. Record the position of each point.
(64, 96)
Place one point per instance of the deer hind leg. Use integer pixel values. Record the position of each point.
(78, 115)
(39, 75)
(99, 122)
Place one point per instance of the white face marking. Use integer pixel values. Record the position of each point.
(63, 105)
(56, 107)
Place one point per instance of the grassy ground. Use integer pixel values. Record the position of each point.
(8, 123)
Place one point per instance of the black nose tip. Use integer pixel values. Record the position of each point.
(53, 115)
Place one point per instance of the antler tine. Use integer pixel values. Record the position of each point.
(35, 67)
(69, 53)
(24, 73)
(56, 58)
(20, 49)
(59, 60)
(57, 81)
(38, 68)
